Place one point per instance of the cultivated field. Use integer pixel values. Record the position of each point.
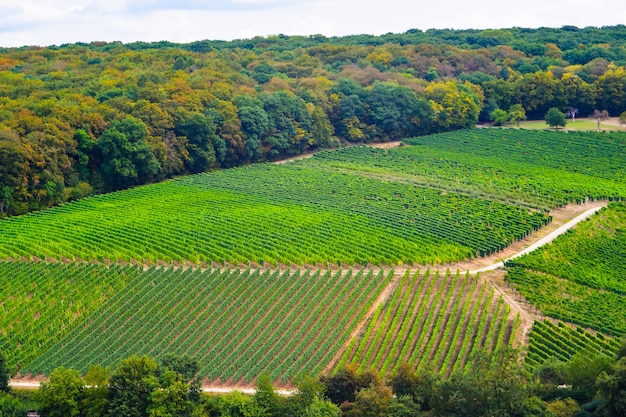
(289, 268)
(580, 277)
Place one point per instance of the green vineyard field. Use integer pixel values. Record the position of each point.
(237, 323)
(537, 169)
(436, 321)
(592, 254)
(261, 213)
(287, 268)
(561, 342)
(41, 303)
(580, 277)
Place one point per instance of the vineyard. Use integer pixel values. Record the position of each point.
(41, 303)
(237, 323)
(580, 277)
(549, 340)
(540, 169)
(260, 214)
(592, 254)
(270, 268)
(434, 320)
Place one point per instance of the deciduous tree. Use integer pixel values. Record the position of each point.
(555, 118)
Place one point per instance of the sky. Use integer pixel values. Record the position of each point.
(55, 22)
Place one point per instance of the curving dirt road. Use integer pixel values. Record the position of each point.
(546, 239)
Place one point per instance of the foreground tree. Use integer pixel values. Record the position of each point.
(493, 386)
(555, 118)
(131, 387)
(5, 375)
(63, 395)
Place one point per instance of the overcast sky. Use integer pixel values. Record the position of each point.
(53, 22)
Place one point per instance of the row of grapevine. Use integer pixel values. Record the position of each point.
(434, 320)
(592, 254)
(261, 214)
(571, 302)
(237, 323)
(536, 168)
(562, 342)
(579, 277)
(41, 303)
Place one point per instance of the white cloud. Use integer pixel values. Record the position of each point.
(45, 22)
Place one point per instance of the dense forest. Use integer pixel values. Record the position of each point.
(78, 119)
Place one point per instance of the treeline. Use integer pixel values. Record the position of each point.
(83, 118)
(496, 385)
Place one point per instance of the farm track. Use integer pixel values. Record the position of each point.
(489, 267)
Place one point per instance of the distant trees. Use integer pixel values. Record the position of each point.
(126, 158)
(555, 118)
(499, 117)
(122, 115)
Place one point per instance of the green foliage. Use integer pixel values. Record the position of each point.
(44, 302)
(549, 342)
(592, 254)
(62, 395)
(131, 387)
(516, 114)
(185, 366)
(5, 374)
(345, 382)
(612, 386)
(329, 215)
(9, 405)
(499, 117)
(96, 391)
(540, 169)
(61, 104)
(127, 158)
(493, 386)
(555, 118)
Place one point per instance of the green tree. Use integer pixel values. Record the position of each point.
(373, 401)
(566, 407)
(63, 395)
(582, 373)
(5, 374)
(131, 387)
(612, 386)
(496, 384)
(555, 118)
(517, 114)
(126, 158)
(343, 385)
(96, 391)
(10, 406)
(499, 117)
(265, 397)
